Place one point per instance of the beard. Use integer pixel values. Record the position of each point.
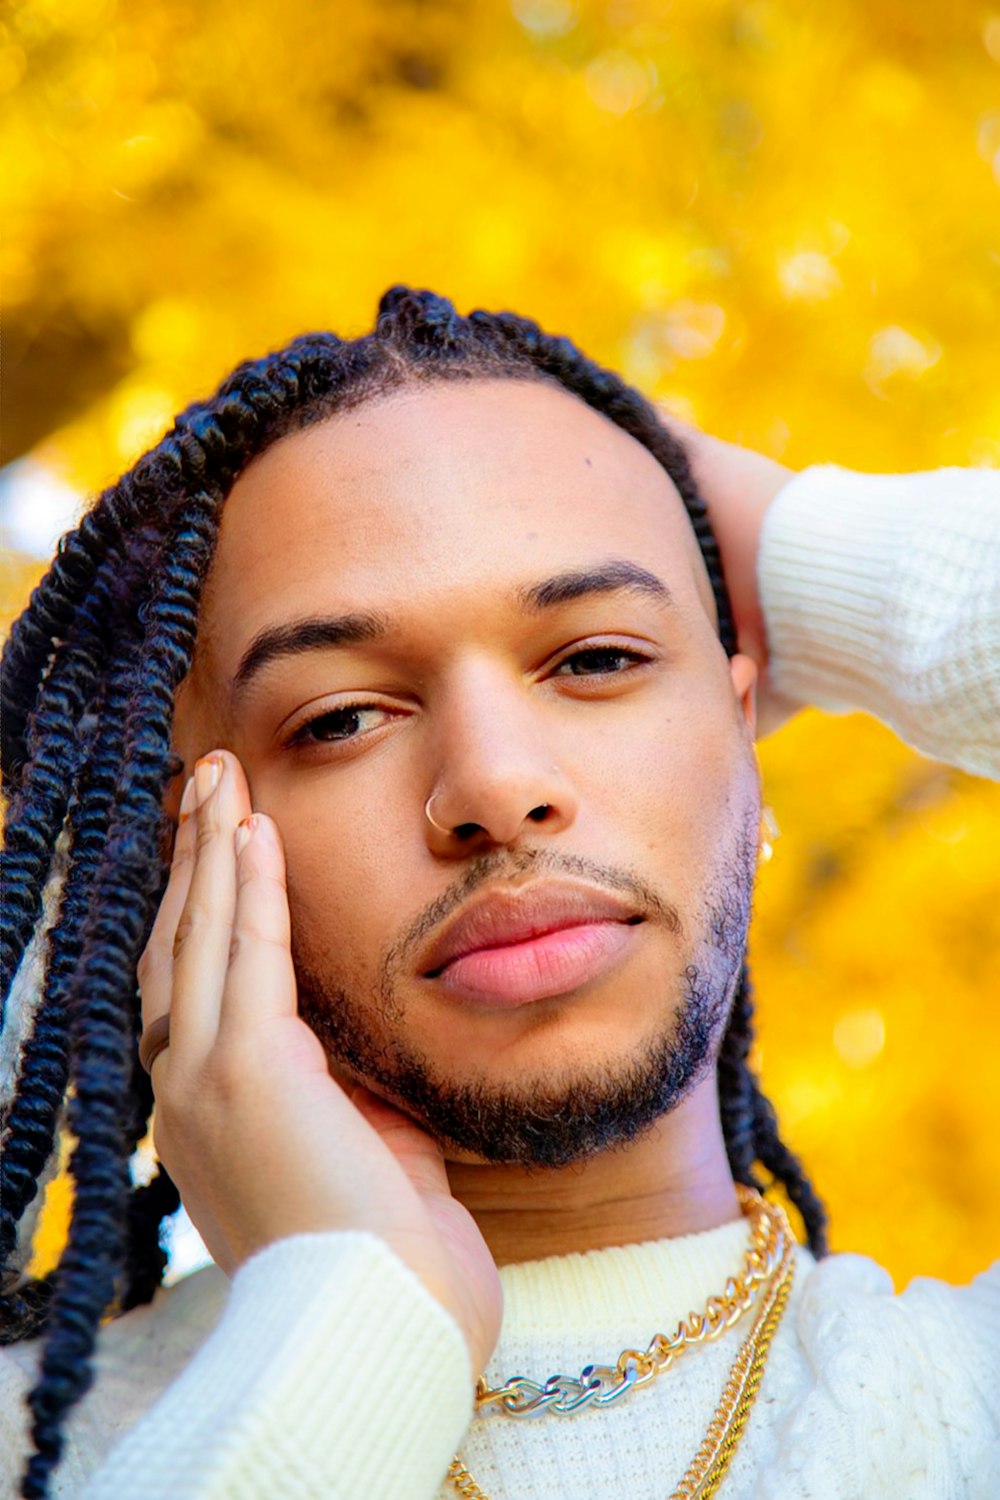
(545, 1121)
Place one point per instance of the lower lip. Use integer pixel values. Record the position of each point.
(541, 968)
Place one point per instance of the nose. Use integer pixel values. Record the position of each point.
(497, 777)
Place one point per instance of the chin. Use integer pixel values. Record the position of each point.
(548, 1119)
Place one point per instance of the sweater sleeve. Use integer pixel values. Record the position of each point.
(882, 592)
(332, 1372)
(965, 1321)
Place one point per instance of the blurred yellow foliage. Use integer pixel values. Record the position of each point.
(781, 217)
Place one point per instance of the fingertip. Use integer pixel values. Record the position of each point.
(257, 828)
(263, 828)
(268, 829)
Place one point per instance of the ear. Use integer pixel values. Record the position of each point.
(743, 671)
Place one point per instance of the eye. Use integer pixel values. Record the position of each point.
(599, 661)
(338, 725)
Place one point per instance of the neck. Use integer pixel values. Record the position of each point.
(675, 1179)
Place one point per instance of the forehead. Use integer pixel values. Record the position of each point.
(436, 492)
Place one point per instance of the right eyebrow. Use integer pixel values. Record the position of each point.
(291, 639)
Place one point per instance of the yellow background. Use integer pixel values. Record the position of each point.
(782, 216)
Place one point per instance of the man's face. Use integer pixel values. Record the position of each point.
(530, 641)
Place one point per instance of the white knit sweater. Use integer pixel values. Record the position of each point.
(327, 1370)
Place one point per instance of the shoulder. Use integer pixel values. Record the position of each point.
(137, 1357)
(910, 1381)
(844, 1289)
(850, 1300)
(169, 1328)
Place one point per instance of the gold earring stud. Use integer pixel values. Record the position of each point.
(769, 832)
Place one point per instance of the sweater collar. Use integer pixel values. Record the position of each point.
(626, 1292)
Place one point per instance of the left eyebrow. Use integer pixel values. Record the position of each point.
(617, 575)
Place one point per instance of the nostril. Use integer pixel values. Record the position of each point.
(539, 814)
(466, 831)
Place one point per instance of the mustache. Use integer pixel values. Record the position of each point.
(508, 865)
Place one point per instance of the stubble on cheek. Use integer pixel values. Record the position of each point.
(728, 911)
(549, 1119)
(339, 996)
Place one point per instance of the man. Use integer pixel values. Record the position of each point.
(448, 973)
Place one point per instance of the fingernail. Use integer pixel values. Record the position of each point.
(243, 832)
(188, 800)
(206, 777)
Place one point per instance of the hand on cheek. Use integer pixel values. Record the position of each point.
(259, 1138)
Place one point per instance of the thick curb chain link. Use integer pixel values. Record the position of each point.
(602, 1385)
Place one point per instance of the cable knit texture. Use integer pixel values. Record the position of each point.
(328, 1371)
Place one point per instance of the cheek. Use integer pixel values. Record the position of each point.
(683, 760)
(680, 787)
(346, 893)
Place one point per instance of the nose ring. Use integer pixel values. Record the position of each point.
(427, 815)
(441, 829)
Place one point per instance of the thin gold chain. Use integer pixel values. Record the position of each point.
(709, 1465)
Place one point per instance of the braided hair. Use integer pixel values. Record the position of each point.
(90, 670)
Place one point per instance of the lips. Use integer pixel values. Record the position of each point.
(547, 940)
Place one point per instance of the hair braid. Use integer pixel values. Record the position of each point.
(101, 999)
(145, 1256)
(51, 607)
(57, 748)
(786, 1168)
(736, 1086)
(750, 1127)
(151, 537)
(34, 1111)
(114, 1233)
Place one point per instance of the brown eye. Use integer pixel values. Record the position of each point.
(339, 724)
(597, 661)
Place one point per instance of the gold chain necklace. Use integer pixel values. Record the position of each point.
(709, 1465)
(600, 1385)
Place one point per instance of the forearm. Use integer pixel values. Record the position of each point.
(882, 593)
(332, 1373)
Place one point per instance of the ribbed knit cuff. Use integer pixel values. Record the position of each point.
(828, 548)
(333, 1372)
(882, 592)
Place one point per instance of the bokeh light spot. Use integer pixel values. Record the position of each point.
(859, 1037)
(545, 18)
(808, 276)
(618, 82)
(897, 351)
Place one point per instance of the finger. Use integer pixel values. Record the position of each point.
(260, 983)
(418, 1153)
(204, 930)
(156, 966)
